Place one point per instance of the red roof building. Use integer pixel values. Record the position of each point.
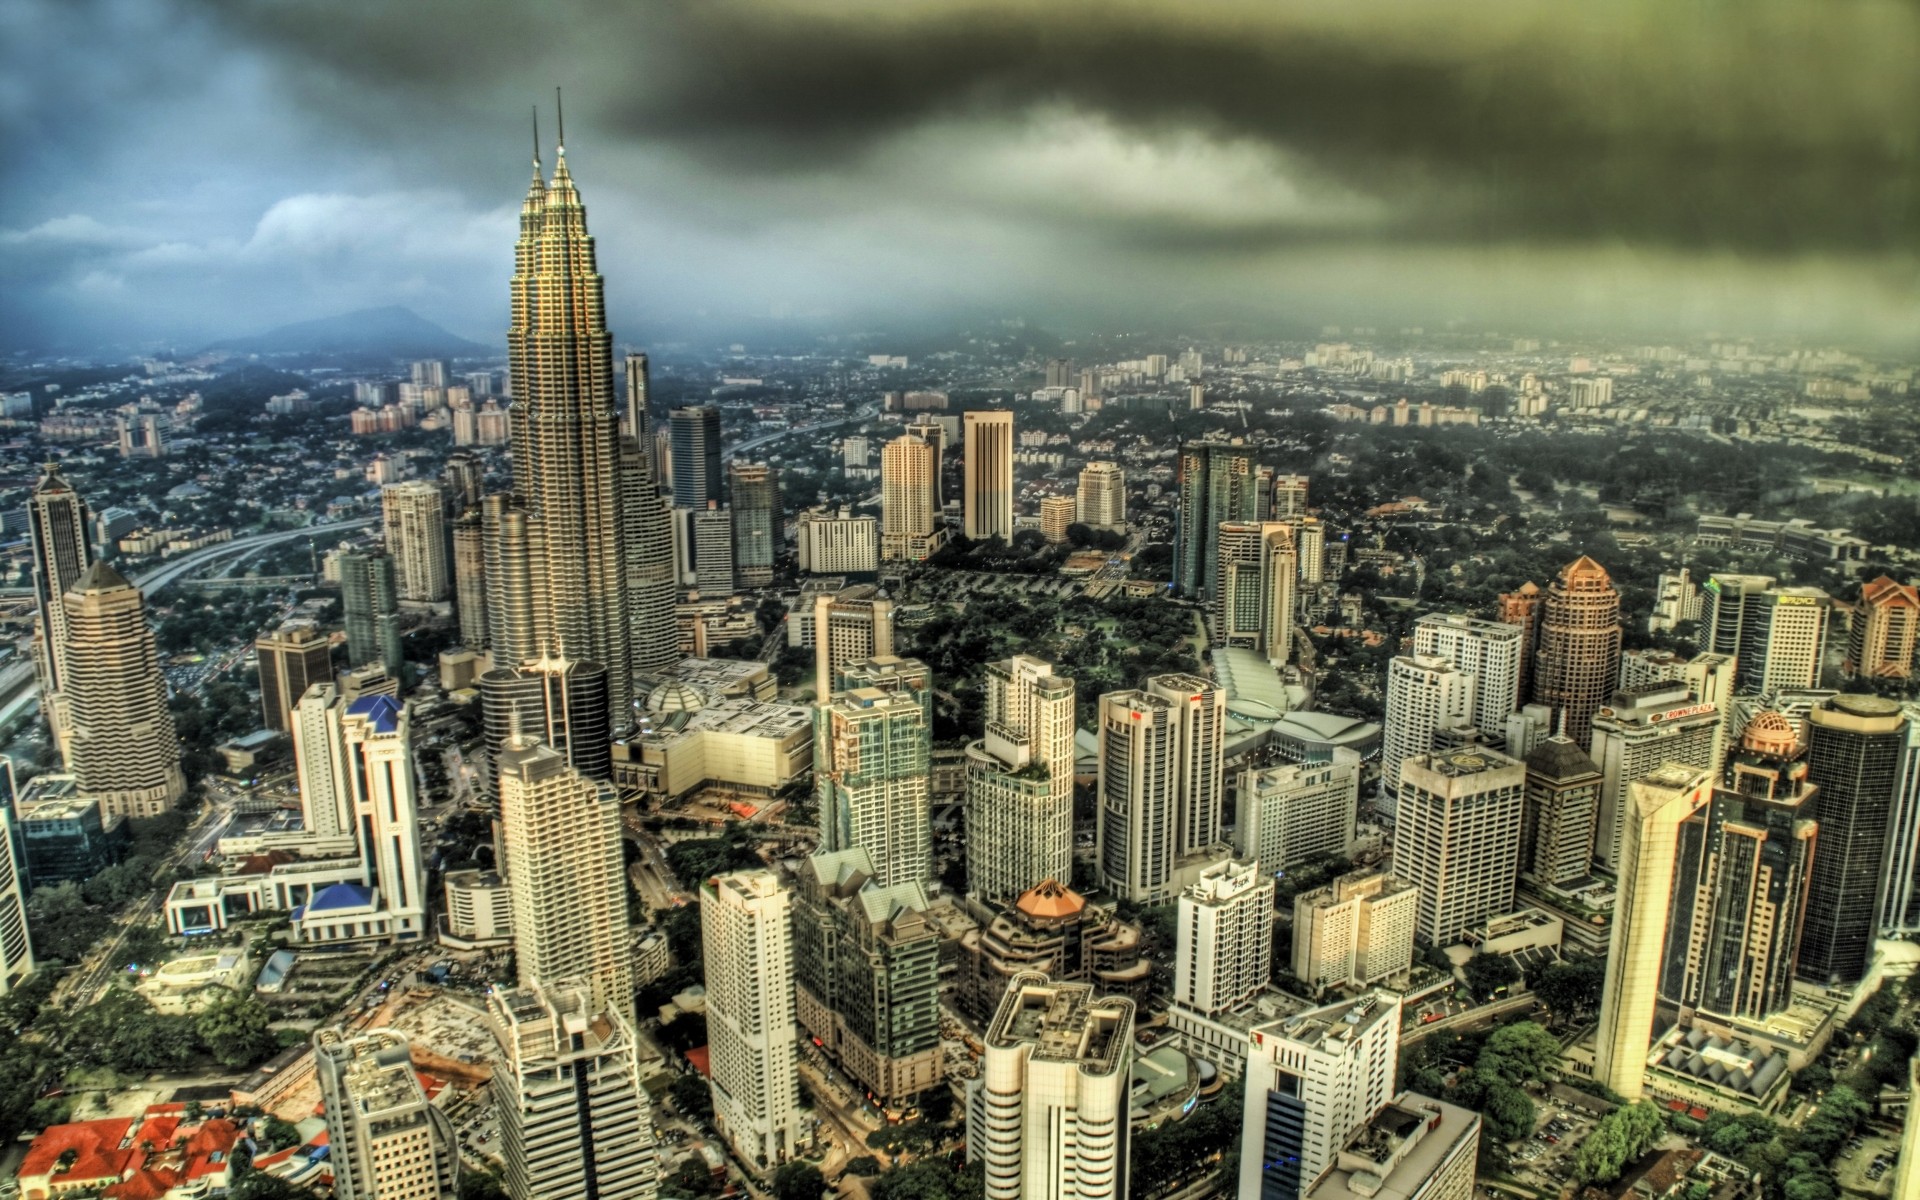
(148, 1157)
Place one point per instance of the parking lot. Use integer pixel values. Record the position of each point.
(1544, 1160)
(1866, 1165)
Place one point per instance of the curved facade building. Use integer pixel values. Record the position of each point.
(121, 748)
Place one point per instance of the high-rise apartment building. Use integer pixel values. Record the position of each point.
(385, 1140)
(1049, 1114)
(746, 924)
(872, 747)
(1854, 748)
(1223, 940)
(1287, 813)
(574, 1119)
(987, 499)
(321, 765)
(1886, 624)
(910, 527)
(415, 519)
(290, 660)
(1310, 548)
(759, 524)
(1289, 496)
(16, 947)
(1776, 635)
(1254, 606)
(1457, 836)
(57, 521)
(1657, 806)
(1562, 808)
(1056, 515)
(1425, 695)
(470, 578)
(837, 542)
(1101, 501)
(1200, 719)
(934, 432)
(1579, 655)
(1218, 483)
(561, 704)
(848, 627)
(370, 602)
(120, 740)
(694, 430)
(1019, 806)
(1137, 810)
(1640, 729)
(867, 975)
(1312, 1079)
(1487, 650)
(1356, 931)
(1676, 599)
(1522, 607)
(561, 853)
(463, 481)
(710, 532)
(646, 516)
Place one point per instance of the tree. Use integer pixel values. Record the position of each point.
(1571, 988)
(693, 1177)
(1507, 1110)
(692, 1097)
(258, 1185)
(798, 1181)
(480, 1185)
(1619, 1138)
(1520, 1053)
(279, 1134)
(927, 1179)
(866, 1166)
(1488, 973)
(236, 1029)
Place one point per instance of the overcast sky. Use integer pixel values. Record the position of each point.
(194, 168)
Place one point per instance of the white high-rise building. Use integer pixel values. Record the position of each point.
(987, 498)
(1643, 728)
(1457, 836)
(1101, 502)
(575, 1123)
(1200, 716)
(1488, 650)
(839, 542)
(746, 924)
(1289, 496)
(1900, 903)
(1224, 938)
(320, 763)
(415, 516)
(849, 627)
(1049, 1114)
(376, 748)
(1284, 814)
(1312, 1079)
(1676, 599)
(385, 1140)
(1424, 695)
(1161, 782)
(1356, 931)
(1777, 635)
(1019, 804)
(1258, 571)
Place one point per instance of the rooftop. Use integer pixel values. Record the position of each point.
(1063, 1022)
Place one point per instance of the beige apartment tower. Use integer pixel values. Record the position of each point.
(1258, 569)
(1356, 931)
(1885, 625)
(414, 515)
(746, 924)
(1056, 513)
(1457, 836)
(848, 627)
(1019, 806)
(909, 514)
(386, 1141)
(1102, 497)
(121, 745)
(987, 499)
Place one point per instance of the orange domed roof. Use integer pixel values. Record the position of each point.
(1770, 734)
(1051, 900)
(1585, 571)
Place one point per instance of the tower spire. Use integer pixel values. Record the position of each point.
(560, 147)
(536, 139)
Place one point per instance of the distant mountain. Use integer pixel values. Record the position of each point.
(391, 332)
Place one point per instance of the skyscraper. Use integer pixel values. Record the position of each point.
(1562, 807)
(1049, 1114)
(694, 431)
(1101, 502)
(871, 757)
(386, 1141)
(909, 483)
(930, 429)
(1424, 696)
(376, 744)
(849, 627)
(1885, 627)
(57, 519)
(1457, 836)
(320, 763)
(1638, 730)
(561, 853)
(1522, 607)
(558, 570)
(463, 479)
(1019, 806)
(759, 526)
(16, 947)
(1223, 954)
(290, 660)
(415, 516)
(121, 745)
(1356, 931)
(1649, 847)
(1286, 813)
(711, 534)
(1137, 810)
(1312, 1079)
(558, 703)
(1200, 719)
(1056, 516)
(646, 517)
(987, 499)
(1258, 569)
(747, 933)
(1579, 657)
(370, 601)
(1488, 650)
(1777, 635)
(1900, 909)
(1854, 748)
(470, 578)
(1218, 483)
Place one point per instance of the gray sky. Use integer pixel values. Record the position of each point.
(194, 168)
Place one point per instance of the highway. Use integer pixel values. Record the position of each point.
(864, 413)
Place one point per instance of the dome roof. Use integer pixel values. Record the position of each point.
(1771, 734)
(675, 696)
(1051, 900)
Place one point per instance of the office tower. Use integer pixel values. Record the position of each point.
(867, 975)
(987, 499)
(575, 1122)
(1019, 806)
(1487, 650)
(712, 536)
(1424, 696)
(1900, 909)
(16, 947)
(1740, 888)
(848, 627)
(1056, 513)
(1136, 811)
(1676, 600)
(1639, 730)
(909, 515)
(1051, 928)
(872, 746)
(1254, 607)
(1415, 1148)
(1101, 502)
(370, 600)
(561, 854)
(759, 525)
(1885, 625)
(694, 431)
(558, 703)
(836, 542)
(1049, 1114)
(1562, 808)
(376, 740)
(290, 660)
(1200, 720)
(1854, 748)
(1356, 931)
(1776, 635)
(121, 746)
(930, 429)
(1579, 655)
(320, 763)
(1287, 813)
(1312, 1079)
(746, 930)
(463, 478)
(386, 1141)
(1457, 836)
(57, 520)
(653, 584)
(1218, 483)
(1657, 805)
(1058, 372)
(1522, 607)
(1289, 496)
(470, 578)
(415, 515)
(1223, 954)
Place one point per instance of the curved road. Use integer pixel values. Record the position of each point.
(866, 412)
